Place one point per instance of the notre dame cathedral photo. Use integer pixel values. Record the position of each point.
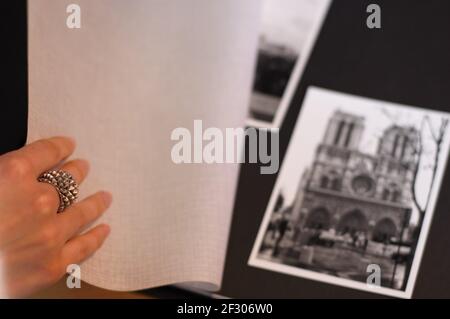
(355, 193)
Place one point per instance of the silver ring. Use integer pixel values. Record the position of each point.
(64, 184)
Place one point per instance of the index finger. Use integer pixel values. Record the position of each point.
(46, 153)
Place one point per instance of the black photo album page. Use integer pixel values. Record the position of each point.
(358, 208)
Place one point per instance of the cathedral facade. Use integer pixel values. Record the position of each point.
(350, 191)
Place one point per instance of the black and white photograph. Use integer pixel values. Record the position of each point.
(288, 31)
(356, 193)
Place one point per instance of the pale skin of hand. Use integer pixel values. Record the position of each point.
(36, 243)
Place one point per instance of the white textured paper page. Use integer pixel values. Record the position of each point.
(135, 71)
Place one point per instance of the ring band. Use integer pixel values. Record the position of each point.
(64, 184)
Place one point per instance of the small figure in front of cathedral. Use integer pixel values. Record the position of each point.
(282, 226)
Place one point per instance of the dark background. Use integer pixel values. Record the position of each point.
(407, 61)
(13, 85)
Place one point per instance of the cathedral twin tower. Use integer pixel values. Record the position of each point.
(350, 191)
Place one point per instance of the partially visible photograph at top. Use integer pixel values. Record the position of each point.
(288, 32)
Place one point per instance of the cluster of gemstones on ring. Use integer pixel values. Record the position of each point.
(64, 184)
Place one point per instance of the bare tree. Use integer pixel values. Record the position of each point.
(418, 152)
(437, 136)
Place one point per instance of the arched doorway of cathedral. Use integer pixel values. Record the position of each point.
(352, 222)
(384, 230)
(318, 218)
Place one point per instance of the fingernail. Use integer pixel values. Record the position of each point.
(107, 229)
(107, 198)
(71, 139)
(85, 164)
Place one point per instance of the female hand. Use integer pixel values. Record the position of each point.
(36, 243)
